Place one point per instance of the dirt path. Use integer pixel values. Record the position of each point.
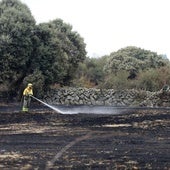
(47, 140)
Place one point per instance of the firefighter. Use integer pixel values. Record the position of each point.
(27, 93)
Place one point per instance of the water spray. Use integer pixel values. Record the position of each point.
(53, 108)
(90, 109)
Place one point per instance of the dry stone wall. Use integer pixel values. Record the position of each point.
(108, 97)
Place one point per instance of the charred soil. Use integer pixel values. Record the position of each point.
(39, 140)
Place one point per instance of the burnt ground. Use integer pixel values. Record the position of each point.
(39, 140)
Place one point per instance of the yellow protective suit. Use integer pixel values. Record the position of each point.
(27, 99)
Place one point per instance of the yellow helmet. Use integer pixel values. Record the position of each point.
(29, 85)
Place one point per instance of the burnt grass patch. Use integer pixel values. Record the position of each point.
(135, 139)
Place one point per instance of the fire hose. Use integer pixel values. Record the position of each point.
(52, 107)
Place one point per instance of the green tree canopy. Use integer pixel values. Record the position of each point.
(90, 72)
(133, 58)
(125, 68)
(58, 51)
(16, 25)
(50, 51)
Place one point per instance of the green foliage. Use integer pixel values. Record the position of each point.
(37, 79)
(58, 52)
(118, 81)
(148, 80)
(46, 56)
(133, 58)
(146, 70)
(16, 25)
(52, 53)
(136, 67)
(154, 79)
(140, 71)
(49, 50)
(90, 73)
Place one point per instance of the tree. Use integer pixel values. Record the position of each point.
(90, 73)
(50, 51)
(133, 59)
(16, 26)
(72, 47)
(137, 67)
(58, 52)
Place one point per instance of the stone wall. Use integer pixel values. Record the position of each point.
(108, 97)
